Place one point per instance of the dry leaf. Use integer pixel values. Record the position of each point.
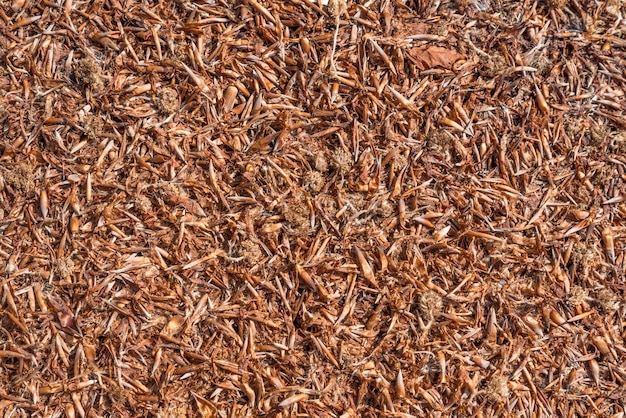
(433, 56)
(66, 318)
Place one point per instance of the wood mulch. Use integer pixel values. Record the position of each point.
(396, 208)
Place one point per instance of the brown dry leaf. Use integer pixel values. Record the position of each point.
(66, 318)
(433, 56)
(412, 28)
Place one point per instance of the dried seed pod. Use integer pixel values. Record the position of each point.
(483, 149)
(250, 394)
(594, 371)
(334, 91)
(365, 267)
(469, 385)
(137, 90)
(43, 203)
(400, 389)
(173, 325)
(305, 44)
(442, 233)
(442, 366)
(198, 80)
(90, 352)
(74, 202)
(480, 362)
(206, 408)
(401, 212)
(517, 386)
(387, 398)
(558, 319)
(384, 262)
(542, 104)
(70, 412)
(229, 98)
(39, 297)
(600, 344)
(571, 377)
(74, 224)
(83, 168)
(20, 23)
(18, 5)
(609, 243)
(78, 405)
(11, 266)
(306, 278)
(374, 318)
(270, 228)
(293, 399)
